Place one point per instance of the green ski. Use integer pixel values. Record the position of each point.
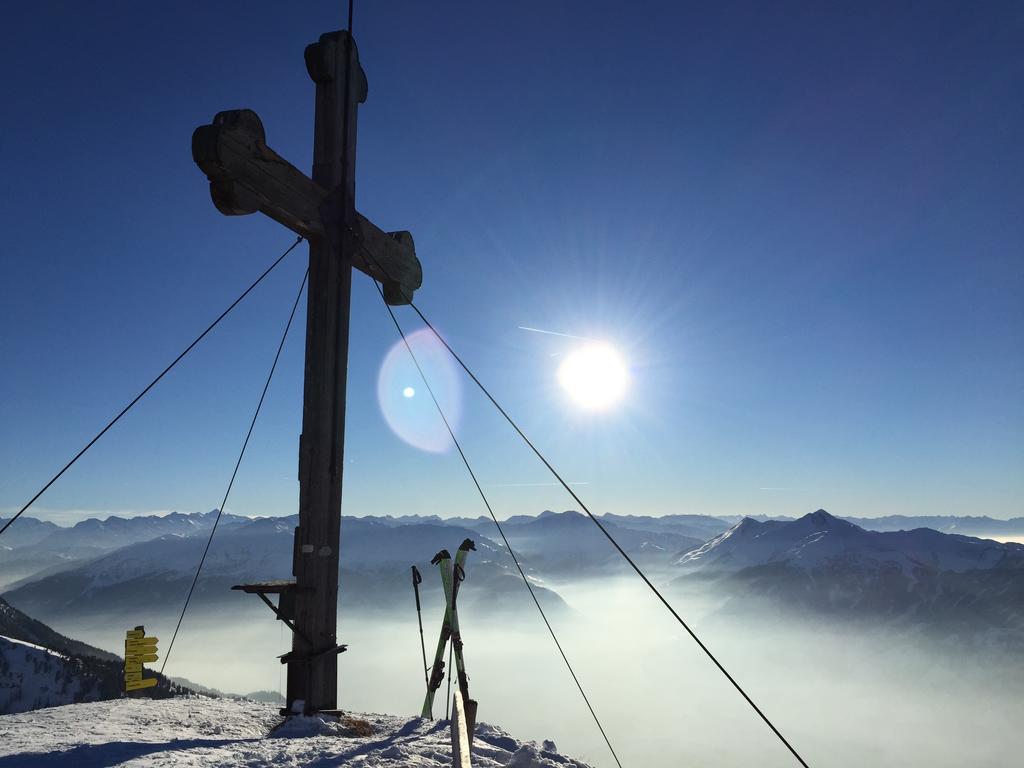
(444, 561)
(450, 578)
(459, 576)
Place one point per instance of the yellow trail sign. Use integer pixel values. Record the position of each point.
(138, 650)
(145, 642)
(137, 661)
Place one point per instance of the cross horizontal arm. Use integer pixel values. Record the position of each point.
(248, 176)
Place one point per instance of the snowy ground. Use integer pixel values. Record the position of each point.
(197, 731)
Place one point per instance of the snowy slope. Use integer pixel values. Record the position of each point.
(819, 539)
(43, 668)
(16, 625)
(32, 676)
(196, 731)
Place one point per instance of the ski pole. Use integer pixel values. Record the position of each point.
(416, 581)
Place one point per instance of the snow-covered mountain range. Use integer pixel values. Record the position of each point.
(32, 547)
(568, 544)
(151, 560)
(130, 566)
(982, 526)
(375, 563)
(964, 589)
(820, 540)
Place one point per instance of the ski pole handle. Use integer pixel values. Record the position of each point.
(416, 581)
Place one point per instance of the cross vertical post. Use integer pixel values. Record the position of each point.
(333, 64)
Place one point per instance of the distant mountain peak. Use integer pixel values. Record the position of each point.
(822, 519)
(820, 540)
(547, 513)
(746, 524)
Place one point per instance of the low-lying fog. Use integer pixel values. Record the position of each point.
(843, 698)
(1009, 539)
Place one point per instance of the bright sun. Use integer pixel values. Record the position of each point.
(595, 376)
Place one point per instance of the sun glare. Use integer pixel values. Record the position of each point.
(595, 376)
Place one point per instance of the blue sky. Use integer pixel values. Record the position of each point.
(801, 225)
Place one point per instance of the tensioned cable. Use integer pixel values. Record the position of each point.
(501, 531)
(611, 538)
(234, 473)
(596, 522)
(149, 386)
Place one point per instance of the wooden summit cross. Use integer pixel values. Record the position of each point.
(247, 176)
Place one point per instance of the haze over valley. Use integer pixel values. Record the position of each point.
(914, 634)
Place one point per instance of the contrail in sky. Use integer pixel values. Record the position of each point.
(553, 333)
(528, 485)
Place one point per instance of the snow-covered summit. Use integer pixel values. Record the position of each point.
(819, 539)
(191, 731)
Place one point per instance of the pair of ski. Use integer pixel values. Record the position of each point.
(452, 575)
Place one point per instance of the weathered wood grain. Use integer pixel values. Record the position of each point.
(247, 176)
(460, 734)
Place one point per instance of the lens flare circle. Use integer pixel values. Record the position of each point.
(595, 376)
(413, 419)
